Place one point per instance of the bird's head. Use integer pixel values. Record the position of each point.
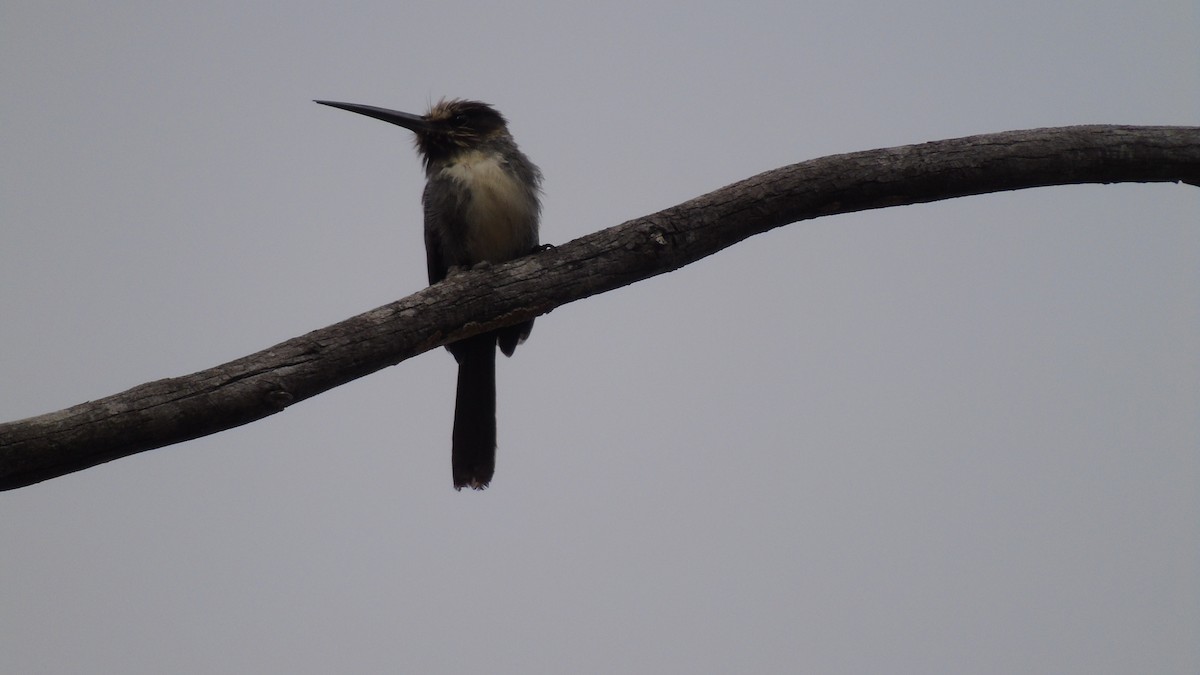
(451, 126)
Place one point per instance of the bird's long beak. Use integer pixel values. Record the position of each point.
(409, 121)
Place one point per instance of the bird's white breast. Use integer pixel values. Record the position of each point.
(500, 214)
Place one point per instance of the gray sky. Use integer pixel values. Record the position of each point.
(958, 437)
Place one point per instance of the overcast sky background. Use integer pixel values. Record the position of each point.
(957, 437)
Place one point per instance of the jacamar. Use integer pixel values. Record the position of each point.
(481, 206)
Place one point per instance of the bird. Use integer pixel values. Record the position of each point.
(482, 205)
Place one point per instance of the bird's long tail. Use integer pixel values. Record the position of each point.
(474, 443)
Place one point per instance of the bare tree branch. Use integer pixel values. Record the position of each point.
(181, 408)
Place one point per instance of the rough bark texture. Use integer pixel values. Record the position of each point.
(181, 408)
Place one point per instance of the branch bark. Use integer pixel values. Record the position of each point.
(169, 411)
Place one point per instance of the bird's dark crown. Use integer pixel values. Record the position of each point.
(456, 125)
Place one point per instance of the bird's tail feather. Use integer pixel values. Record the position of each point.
(473, 458)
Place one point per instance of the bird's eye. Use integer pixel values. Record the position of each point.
(460, 118)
